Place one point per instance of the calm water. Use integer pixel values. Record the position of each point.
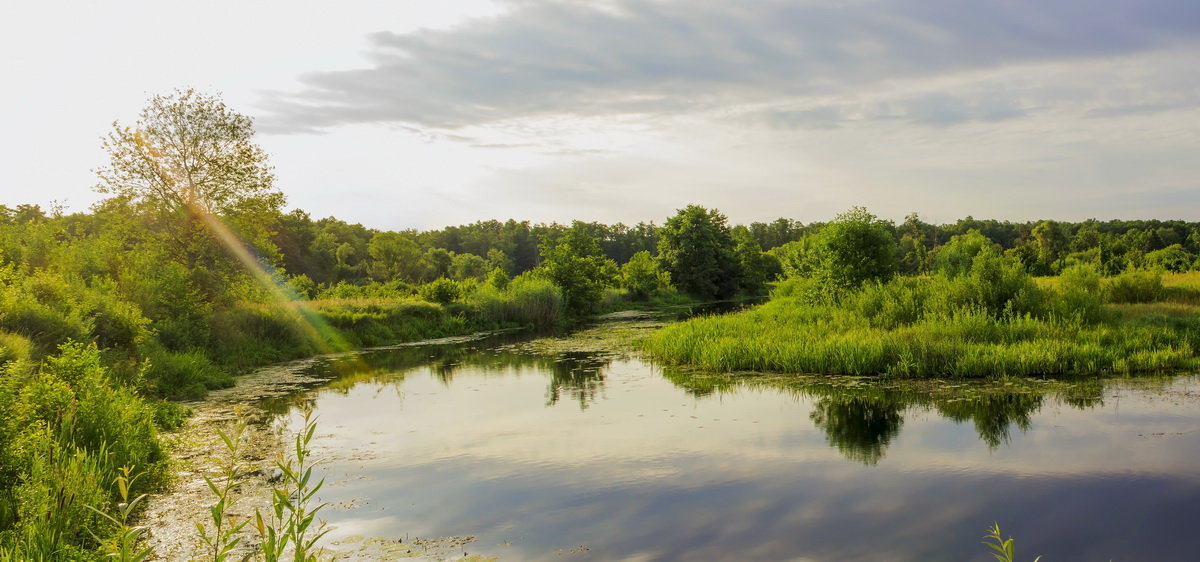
(539, 455)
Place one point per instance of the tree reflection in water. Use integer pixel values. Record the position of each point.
(860, 427)
(862, 417)
(579, 376)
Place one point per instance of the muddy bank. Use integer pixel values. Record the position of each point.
(198, 452)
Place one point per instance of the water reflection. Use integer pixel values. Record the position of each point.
(577, 375)
(862, 417)
(861, 427)
(542, 451)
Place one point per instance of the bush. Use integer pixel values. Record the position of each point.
(995, 284)
(1134, 287)
(14, 347)
(441, 290)
(64, 432)
(1078, 294)
(186, 375)
(528, 301)
(898, 302)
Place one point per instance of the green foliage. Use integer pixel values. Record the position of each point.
(995, 285)
(1134, 287)
(183, 375)
(803, 288)
(1003, 549)
(757, 267)
(855, 248)
(992, 322)
(369, 323)
(301, 286)
(956, 256)
(525, 301)
(219, 534)
(14, 347)
(1079, 294)
(189, 169)
(1049, 242)
(395, 256)
(468, 266)
(575, 264)
(386, 290)
(65, 431)
(441, 291)
(189, 149)
(125, 544)
(1172, 258)
(641, 276)
(498, 279)
(696, 248)
(293, 516)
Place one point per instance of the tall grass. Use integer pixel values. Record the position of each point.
(66, 430)
(994, 322)
(524, 301)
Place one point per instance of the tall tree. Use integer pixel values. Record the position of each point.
(574, 262)
(188, 164)
(396, 256)
(855, 248)
(697, 250)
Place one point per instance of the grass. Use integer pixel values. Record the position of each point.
(934, 327)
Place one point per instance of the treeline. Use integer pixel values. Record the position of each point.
(973, 309)
(329, 251)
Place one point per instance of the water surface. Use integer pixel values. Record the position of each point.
(599, 456)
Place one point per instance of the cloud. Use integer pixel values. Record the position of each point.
(548, 59)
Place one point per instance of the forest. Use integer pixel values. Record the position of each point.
(192, 272)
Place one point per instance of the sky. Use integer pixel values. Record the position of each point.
(419, 114)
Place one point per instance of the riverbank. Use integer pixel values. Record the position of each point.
(198, 451)
(994, 323)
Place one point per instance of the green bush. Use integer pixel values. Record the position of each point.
(15, 347)
(1134, 287)
(995, 284)
(184, 375)
(1078, 294)
(991, 322)
(527, 301)
(65, 429)
(441, 291)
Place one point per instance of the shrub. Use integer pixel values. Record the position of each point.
(186, 375)
(441, 290)
(1078, 294)
(14, 347)
(1134, 287)
(528, 301)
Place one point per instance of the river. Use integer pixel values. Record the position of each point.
(578, 448)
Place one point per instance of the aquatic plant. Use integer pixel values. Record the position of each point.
(221, 535)
(125, 543)
(1004, 550)
(289, 526)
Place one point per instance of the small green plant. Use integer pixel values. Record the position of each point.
(1004, 549)
(292, 516)
(222, 538)
(123, 545)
